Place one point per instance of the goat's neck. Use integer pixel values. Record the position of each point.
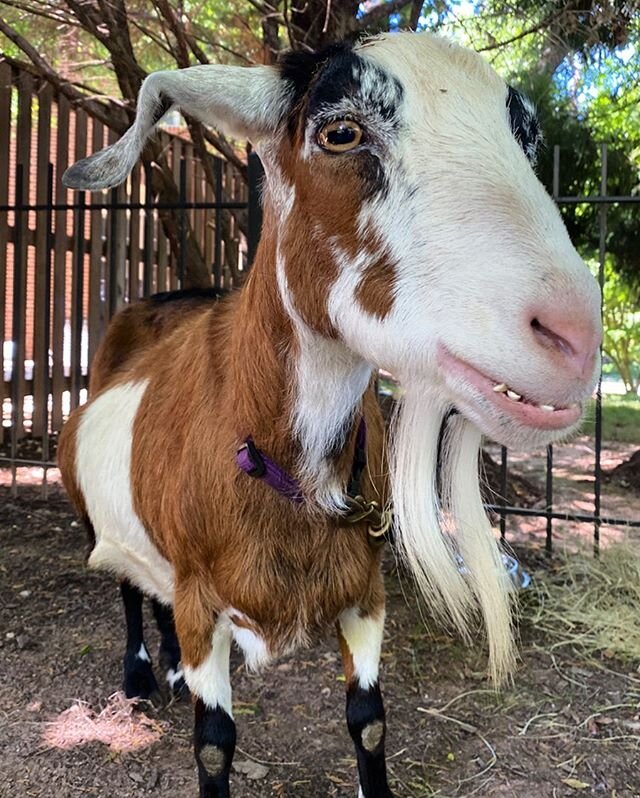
(298, 393)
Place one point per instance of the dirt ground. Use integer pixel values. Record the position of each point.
(569, 726)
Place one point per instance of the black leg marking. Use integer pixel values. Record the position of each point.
(366, 722)
(169, 649)
(139, 681)
(214, 741)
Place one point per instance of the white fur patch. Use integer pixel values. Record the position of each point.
(103, 466)
(210, 680)
(330, 382)
(364, 640)
(252, 645)
(143, 654)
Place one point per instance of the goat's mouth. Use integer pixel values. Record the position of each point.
(501, 398)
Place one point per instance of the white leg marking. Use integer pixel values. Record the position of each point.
(364, 639)
(174, 676)
(210, 680)
(143, 654)
(103, 470)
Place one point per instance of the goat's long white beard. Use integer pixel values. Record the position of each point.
(432, 532)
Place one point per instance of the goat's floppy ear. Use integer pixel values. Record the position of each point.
(246, 102)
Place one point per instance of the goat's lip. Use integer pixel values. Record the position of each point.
(523, 412)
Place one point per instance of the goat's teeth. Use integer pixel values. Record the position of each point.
(550, 408)
(500, 388)
(516, 397)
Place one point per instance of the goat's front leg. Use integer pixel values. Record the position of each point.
(360, 638)
(205, 655)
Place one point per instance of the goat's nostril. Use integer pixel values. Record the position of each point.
(550, 339)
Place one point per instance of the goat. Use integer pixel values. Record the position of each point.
(220, 456)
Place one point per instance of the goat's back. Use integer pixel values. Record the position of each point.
(139, 326)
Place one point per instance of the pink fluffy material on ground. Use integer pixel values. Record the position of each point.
(119, 725)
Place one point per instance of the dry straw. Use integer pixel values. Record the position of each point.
(591, 603)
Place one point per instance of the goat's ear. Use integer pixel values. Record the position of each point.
(245, 102)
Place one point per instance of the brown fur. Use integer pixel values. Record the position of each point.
(217, 372)
(375, 290)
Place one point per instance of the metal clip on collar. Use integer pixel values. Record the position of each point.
(359, 509)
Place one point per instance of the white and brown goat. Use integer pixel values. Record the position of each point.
(405, 229)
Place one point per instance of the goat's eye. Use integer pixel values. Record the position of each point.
(340, 136)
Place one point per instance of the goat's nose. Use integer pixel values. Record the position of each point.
(574, 339)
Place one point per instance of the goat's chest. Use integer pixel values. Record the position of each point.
(288, 585)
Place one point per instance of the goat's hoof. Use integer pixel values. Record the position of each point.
(139, 680)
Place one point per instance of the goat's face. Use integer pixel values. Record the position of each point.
(409, 221)
(414, 227)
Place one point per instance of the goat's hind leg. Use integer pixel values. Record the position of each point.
(360, 637)
(169, 656)
(139, 681)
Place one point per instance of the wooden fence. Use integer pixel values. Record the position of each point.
(68, 260)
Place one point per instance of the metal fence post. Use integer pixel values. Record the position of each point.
(254, 222)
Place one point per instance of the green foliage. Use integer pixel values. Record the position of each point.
(621, 317)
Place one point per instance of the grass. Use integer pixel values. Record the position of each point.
(621, 419)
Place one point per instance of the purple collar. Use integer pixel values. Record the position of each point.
(257, 464)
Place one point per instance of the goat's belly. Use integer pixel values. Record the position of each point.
(103, 473)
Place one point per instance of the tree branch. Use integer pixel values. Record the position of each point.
(379, 13)
(546, 22)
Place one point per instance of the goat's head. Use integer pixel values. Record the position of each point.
(412, 228)
(403, 169)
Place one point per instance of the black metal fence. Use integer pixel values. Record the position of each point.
(14, 460)
(603, 201)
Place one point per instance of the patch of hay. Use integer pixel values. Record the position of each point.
(591, 603)
(119, 725)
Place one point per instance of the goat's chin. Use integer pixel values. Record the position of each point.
(433, 531)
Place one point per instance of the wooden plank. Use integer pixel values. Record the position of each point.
(117, 249)
(20, 264)
(97, 304)
(209, 237)
(61, 245)
(134, 290)
(78, 268)
(5, 137)
(177, 149)
(148, 244)
(163, 258)
(42, 276)
(199, 214)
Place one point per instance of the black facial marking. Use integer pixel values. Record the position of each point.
(335, 84)
(524, 123)
(299, 68)
(366, 723)
(347, 76)
(214, 740)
